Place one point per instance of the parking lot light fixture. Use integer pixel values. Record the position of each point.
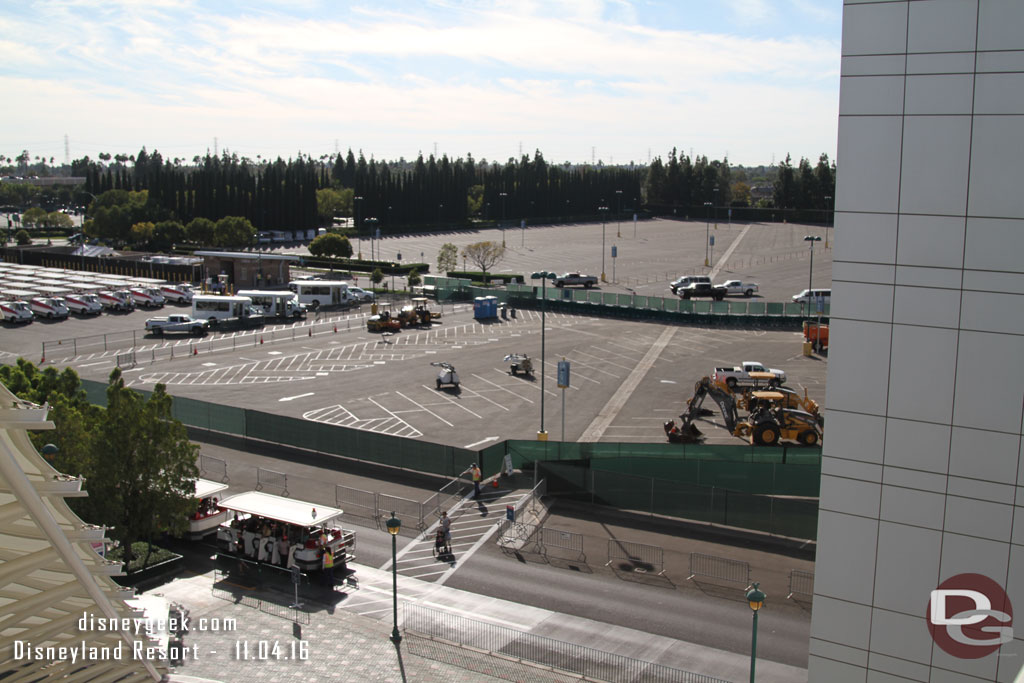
(604, 219)
(503, 195)
(829, 217)
(707, 231)
(543, 276)
(618, 214)
(394, 525)
(755, 598)
(810, 275)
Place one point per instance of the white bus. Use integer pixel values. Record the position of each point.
(321, 292)
(275, 304)
(216, 308)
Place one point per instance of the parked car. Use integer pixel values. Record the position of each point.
(568, 279)
(48, 307)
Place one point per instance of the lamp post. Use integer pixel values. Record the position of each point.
(394, 525)
(618, 214)
(829, 217)
(543, 277)
(810, 274)
(372, 222)
(707, 232)
(715, 207)
(356, 200)
(755, 598)
(604, 217)
(503, 195)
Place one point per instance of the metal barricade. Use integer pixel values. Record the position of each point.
(126, 360)
(561, 540)
(404, 509)
(357, 503)
(209, 465)
(800, 583)
(451, 492)
(719, 568)
(265, 477)
(640, 557)
(517, 535)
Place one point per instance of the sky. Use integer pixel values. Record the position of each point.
(615, 81)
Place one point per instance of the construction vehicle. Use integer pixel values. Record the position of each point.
(520, 363)
(791, 400)
(424, 314)
(686, 431)
(769, 422)
(447, 374)
(773, 415)
(383, 322)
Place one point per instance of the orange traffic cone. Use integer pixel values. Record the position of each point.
(195, 350)
(261, 340)
(42, 360)
(335, 328)
(494, 483)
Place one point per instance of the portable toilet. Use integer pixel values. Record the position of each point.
(492, 306)
(480, 308)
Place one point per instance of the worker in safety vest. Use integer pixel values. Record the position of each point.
(477, 476)
(328, 560)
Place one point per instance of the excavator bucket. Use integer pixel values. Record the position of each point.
(688, 433)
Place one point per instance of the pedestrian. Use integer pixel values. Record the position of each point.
(477, 475)
(446, 526)
(328, 560)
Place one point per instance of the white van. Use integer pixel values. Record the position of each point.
(16, 311)
(813, 296)
(179, 293)
(148, 297)
(47, 307)
(119, 300)
(275, 304)
(318, 293)
(216, 308)
(83, 304)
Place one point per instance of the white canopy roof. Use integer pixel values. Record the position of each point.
(206, 488)
(297, 512)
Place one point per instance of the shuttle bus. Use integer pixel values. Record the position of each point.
(318, 293)
(216, 309)
(276, 304)
(284, 531)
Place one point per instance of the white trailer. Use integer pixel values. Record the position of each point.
(275, 303)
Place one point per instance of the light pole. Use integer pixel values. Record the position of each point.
(829, 217)
(755, 598)
(707, 232)
(604, 217)
(356, 200)
(503, 195)
(543, 277)
(810, 274)
(373, 227)
(618, 214)
(394, 525)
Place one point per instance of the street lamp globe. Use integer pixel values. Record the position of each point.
(756, 597)
(394, 525)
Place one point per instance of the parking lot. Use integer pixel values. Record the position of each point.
(627, 377)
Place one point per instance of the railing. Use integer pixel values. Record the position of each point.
(404, 508)
(636, 557)
(722, 568)
(569, 541)
(448, 494)
(590, 663)
(800, 583)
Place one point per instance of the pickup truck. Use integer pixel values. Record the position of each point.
(697, 289)
(741, 374)
(738, 287)
(568, 279)
(177, 323)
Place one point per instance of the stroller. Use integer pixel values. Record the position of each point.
(441, 547)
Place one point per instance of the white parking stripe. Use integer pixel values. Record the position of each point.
(453, 402)
(501, 387)
(424, 408)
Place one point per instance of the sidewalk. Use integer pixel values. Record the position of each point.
(344, 645)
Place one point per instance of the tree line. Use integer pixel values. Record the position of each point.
(164, 197)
